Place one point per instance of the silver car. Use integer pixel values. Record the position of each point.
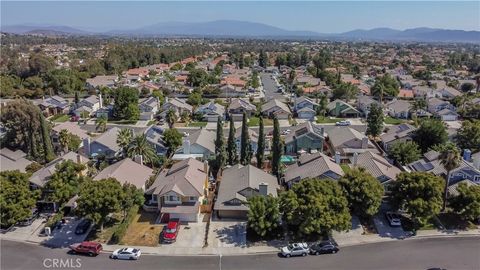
(296, 249)
(126, 254)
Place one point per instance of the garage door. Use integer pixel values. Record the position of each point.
(232, 214)
(185, 217)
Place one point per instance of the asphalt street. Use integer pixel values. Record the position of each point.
(270, 87)
(459, 253)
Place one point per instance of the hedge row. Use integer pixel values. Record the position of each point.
(121, 229)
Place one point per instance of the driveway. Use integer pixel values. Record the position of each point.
(190, 236)
(65, 236)
(24, 233)
(227, 234)
(385, 230)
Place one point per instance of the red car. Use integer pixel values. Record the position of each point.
(170, 231)
(89, 248)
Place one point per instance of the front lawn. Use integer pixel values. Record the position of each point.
(328, 120)
(255, 121)
(60, 118)
(123, 122)
(394, 121)
(407, 224)
(345, 168)
(143, 231)
(197, 124)
(108, 229)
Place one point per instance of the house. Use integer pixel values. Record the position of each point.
(315, 165)
(405, 94)
(449, 92)
(395, 134)
(177, 105)
(88, 106)
(198, 144)
(102, 81)
(230, 91)
(211, 111)
(148, 108)
(154, 136)
(434, 105)
(276, 108)
(339, 108)
(345, 141)
(234, 81)
(42, 176)
(305, 136)
(105, 144)
(238, 184)
(305, 108)
(54, 105)
(179, 191)
(238, 106)
(364, 103)
(398, 108)
(72, 128)
(376, 165)
(13, 160)
(447, 115)
(127, 171)
(431, 163)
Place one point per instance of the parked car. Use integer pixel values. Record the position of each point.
(28, 221)
(170, 231)
(343, 123)
(286, 132)
(83, 226)
(324, 248)
(127, 253)
(393, 219)
(87, 247)
(296, 249)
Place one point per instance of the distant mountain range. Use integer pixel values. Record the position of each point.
(230, 28)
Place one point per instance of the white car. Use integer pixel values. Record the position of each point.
(286, 132)
(126, 254)
(393, 219)
(296, 249)
(343, 123)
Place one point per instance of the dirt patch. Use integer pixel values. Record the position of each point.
(143, 231)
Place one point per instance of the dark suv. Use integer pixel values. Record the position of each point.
(323, 248)
(83, 226)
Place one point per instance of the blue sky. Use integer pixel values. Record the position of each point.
(319, 16)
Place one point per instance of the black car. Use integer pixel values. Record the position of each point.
(323, 248)
(83, 226)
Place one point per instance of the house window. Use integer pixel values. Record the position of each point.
(476, 178)
(172, 198)
(192, 198)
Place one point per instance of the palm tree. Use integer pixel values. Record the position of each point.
(419, 104)
(171, 118)
(185, 117)
(124, 138)
(64, 139)
(101, 123)
(140, 146)
(450, 159)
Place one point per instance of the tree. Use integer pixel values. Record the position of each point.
(363, 192)
(467, 202)
(65, 181)
(195, 98)
(468, 136)
(197, 78)
(344, 91)
(77, 99)
(64, 139)
(467, 87)
(101, 123)
(16, 198)
(431, 132)
(254, 81)
(450, 159)
(220, 151)
(404, 152)
(48, 154)
(185, 117)
(315, 206)
(139, 146)
(419, 194)
(263, 59)
(263, 214)
(40, 64)
(232, 155)
(131, 196)
(375, 120)
(126, 103)
(172, 139)
(124, 138)
(171, 118)
(322, 106)
(277, 148)
(260, 155)
(385, 85)
(98, 199)
(245, 145)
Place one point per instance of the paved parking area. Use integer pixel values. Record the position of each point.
(190, 236)
(65, 236)
(227, 234)
(355, 231)
(24, 233)
(385, 230)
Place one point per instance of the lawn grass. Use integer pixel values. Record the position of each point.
(123, 122)
(393, 121)
(255, 121)
(60, 118)
(197, 124)
(407, 224)
(143, 231)
(345, 168)
(108, 229)
(328, 120)
(151, 122)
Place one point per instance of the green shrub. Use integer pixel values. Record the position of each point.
(121, 229)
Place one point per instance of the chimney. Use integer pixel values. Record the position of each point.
(79, 159)
(138, 159)
(186, 146)
(337, 157)
(364, 143)
(86, 146)
(100, 100)
(263, 189)
(355, 159)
